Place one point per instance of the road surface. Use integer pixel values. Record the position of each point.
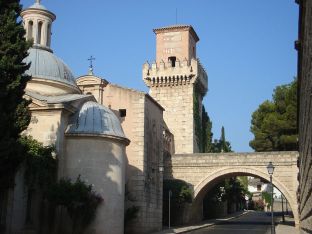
(254, 222)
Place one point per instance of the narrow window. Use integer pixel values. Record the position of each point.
(122, 112)
(49, 35)
(30, 30)
(39, 32)
(172, 60)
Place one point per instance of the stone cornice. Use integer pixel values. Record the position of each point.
(125, 141)
(47, 13)
(177, 28)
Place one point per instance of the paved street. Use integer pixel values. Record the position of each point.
(250, 223)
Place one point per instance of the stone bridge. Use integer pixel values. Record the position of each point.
(202, 171)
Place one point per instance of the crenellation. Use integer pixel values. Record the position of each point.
(182, 74)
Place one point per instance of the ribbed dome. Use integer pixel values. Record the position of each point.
(95, 119)
(45, 65)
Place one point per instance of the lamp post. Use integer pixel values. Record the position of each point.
(169, 195)
(270, 168)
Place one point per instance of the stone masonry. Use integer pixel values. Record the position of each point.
(173, 79)
(202, 171)
(304, 47)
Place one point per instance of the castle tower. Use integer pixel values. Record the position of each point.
(178, 82)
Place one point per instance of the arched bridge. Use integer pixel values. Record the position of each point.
(202, 171)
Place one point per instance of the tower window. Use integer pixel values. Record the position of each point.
(122, 112)
(39, 32)
(30, 30)
(172, 60)
(49, 35)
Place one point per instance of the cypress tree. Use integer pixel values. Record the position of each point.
(14, 112)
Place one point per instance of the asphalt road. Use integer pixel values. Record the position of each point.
(250, 223)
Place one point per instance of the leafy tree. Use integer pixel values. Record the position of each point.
(14, 113)
(274, 123)
(78, 198)
(181, 194)
(40, 165)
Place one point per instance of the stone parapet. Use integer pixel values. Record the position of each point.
(183, 73)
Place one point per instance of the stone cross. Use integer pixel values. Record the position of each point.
(91, 65)
(91, 59)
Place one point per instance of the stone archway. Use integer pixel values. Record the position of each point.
(199, 189)
(202, 171)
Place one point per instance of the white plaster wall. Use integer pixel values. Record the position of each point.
(100, 162)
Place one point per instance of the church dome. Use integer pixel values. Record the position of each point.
(50, 75)
(95, 119)
(45, 65)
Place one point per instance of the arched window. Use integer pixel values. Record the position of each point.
(30, 30)
(49, 35)
(39, 32)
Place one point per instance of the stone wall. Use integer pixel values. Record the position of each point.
(102, 166)
(178, 114)
(143, 125)
(173, 88)
(304, 46)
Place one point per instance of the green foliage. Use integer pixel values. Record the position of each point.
(244, 182)
(221, 145)
(207, 134)
(79, 200)
(234, 190)
(274, 123)
(267, 197)
(14, 113)
(181, 193)
(41, 166)
(197, 120)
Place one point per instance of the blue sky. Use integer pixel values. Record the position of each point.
(246, 46)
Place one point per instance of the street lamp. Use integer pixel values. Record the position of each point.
(270, 168)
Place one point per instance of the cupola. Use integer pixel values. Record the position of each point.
(38, 22)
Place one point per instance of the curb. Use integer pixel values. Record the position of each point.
(172, 230)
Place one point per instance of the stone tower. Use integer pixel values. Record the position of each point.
(178, 82)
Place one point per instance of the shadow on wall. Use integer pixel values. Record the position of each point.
(100, 162)
(133, 198)
(180, 194)
(24, 208)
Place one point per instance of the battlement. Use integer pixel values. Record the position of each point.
(182, 73)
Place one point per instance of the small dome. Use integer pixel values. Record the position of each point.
(95, 119)
(45, 65)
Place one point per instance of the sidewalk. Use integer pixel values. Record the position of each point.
(203, 224)
(287, 227)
